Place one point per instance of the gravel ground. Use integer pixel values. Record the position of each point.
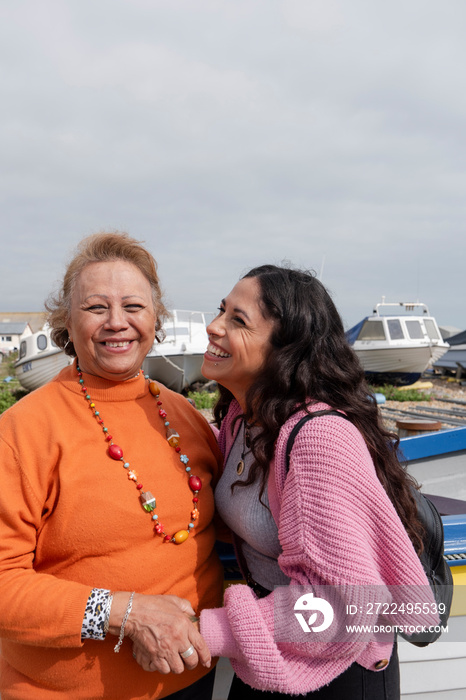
(442, 388)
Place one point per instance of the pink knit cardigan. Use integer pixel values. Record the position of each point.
(336, 527)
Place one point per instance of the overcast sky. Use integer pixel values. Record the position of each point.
(230, 133)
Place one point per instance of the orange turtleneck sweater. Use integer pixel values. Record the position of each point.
(71, 521)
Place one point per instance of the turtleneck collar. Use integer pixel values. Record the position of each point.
(103, 389)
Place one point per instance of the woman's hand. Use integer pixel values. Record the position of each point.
(161, 629)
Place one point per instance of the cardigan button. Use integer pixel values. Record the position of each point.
(381, 664)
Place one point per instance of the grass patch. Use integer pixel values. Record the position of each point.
(393, 393)
(203, 399)
(7, 398)
(10, 391)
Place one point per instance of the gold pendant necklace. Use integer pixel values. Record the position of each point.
(246, 445)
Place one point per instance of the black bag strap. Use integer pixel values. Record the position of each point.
(299, 425)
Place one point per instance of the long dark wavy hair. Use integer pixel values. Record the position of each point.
(310, 360)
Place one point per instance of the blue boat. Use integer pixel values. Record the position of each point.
(454, 360)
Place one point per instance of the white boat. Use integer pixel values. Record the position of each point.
(397, 343)
(39, 360)
(177, 361)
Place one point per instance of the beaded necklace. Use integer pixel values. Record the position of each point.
(147, 499)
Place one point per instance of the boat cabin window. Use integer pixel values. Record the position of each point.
(395, 330)
(372, 330)
(22, 349)
(414, 330)
(176, 330)
(431, 329)
(41, 341)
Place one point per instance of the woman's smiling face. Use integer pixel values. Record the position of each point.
(239, 340)
(112, 319)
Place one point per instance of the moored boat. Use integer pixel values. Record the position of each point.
(39, 360)
(397, 343)
(454, 360)
(177, 361)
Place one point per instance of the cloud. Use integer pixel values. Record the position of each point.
(230, 134)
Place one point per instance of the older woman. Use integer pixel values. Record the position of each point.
(342, 516)
(106, 502)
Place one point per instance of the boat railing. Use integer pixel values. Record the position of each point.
(183, 325)
(406, 307)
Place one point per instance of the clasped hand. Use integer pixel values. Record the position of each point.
(161, 629)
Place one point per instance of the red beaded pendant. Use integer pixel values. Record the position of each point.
(115, 451)
(195, 484)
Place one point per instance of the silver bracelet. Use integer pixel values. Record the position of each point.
(125, 619)
(108, 607)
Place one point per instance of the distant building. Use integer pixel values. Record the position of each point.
(36, 319)
(11, 335)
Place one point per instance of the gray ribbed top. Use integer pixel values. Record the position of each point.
(249, 518)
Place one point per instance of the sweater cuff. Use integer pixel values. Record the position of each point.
(215, 629)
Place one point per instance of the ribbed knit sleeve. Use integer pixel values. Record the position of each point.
(337, 528)
(335, 511)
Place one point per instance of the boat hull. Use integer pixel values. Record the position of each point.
(176, 372)
(397, 359)
(455, 356)
(33, 373)
(396, 365)
(393, 378)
